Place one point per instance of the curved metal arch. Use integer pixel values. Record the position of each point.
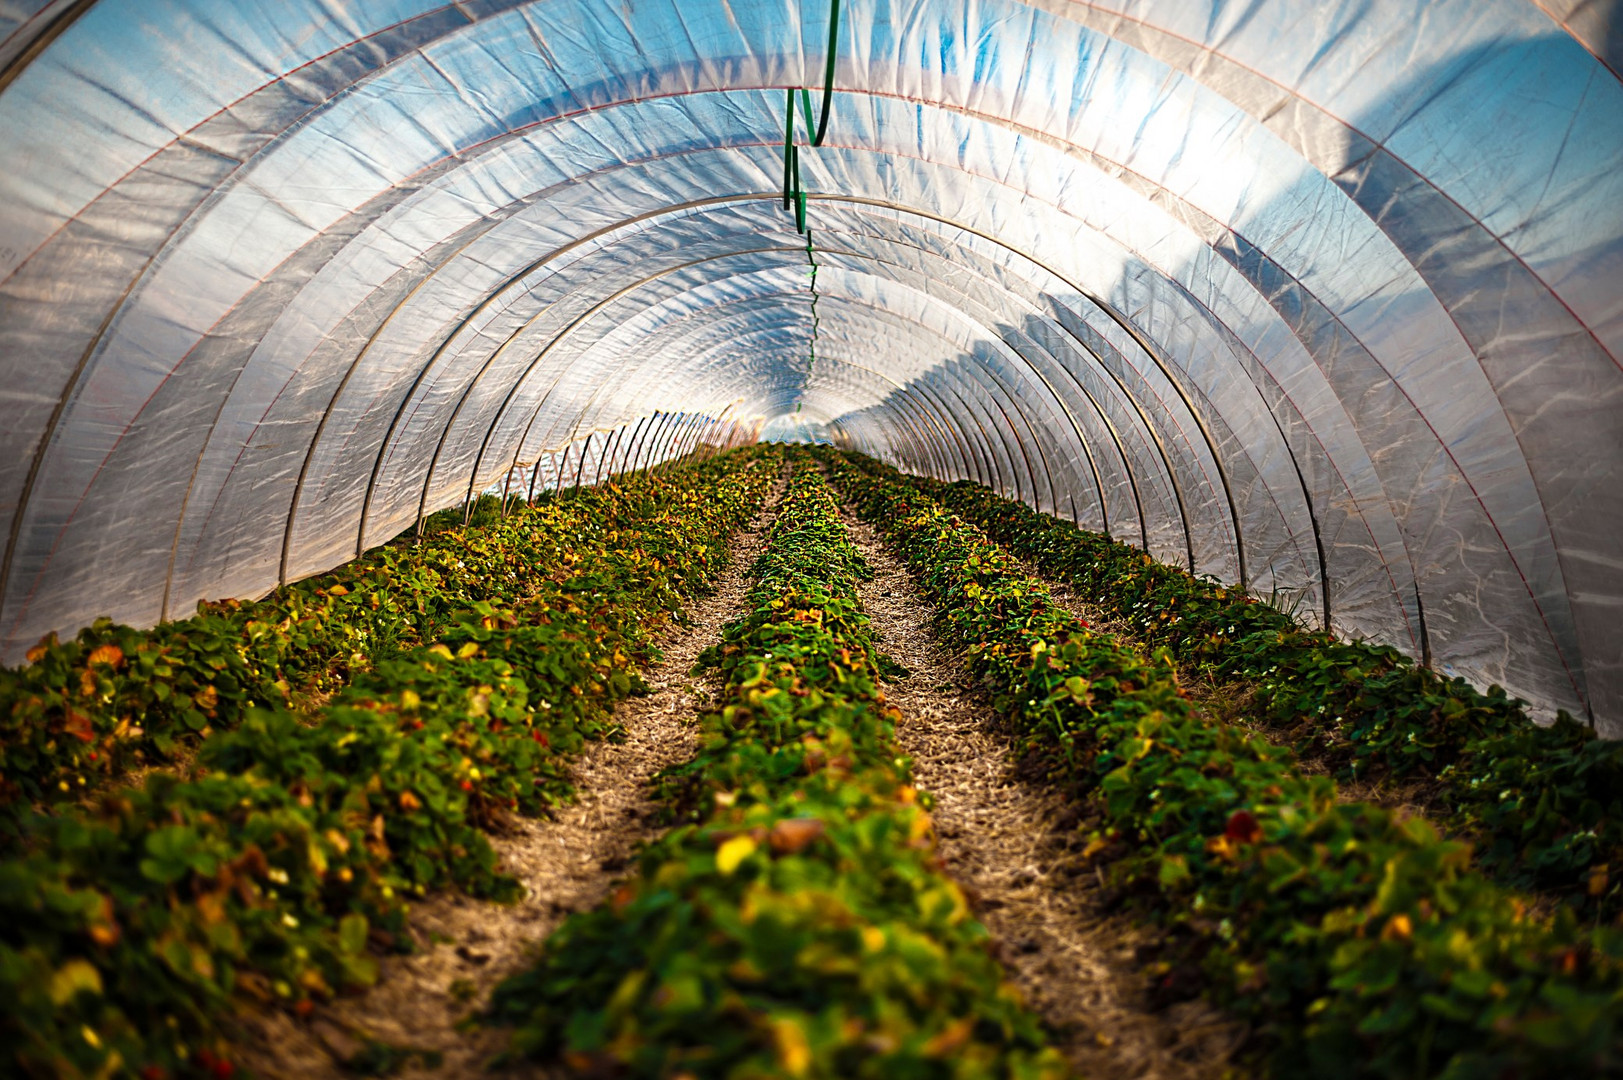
(978, 370)
(1153, 354)
(563, 332)
(8, 559)
(691, 358)
(884, 377)
(489, 302)
(956, 225)
(1082, 440)
(297, 496)
(585, 239)
(877, 309)
(861, 257)
(924, 416)
(1109, 310)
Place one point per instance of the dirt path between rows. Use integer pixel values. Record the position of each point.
(567, 864)
(1001, 841)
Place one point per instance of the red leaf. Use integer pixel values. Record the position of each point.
(1243, 828)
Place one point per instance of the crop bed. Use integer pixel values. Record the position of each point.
(267, 871)
(796, 923)
(1544, 805)
(1362, 944)
(231, 812)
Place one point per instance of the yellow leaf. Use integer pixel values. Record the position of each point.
(954, 1036)
(467, 650)
(626, 994)
(71, 978)
(794, 1052)
(337, 590)
(441, 650)
(733, 852)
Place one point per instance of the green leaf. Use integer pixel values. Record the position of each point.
(1174, 870)
(352, 930)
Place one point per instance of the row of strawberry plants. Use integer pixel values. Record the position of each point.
(796, 922)
(1361, 943)
(84, 710)
(1544, 805)
(129, 928)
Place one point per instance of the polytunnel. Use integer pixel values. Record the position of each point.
(1321, 300)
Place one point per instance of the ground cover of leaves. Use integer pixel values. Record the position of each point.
(1229, 703)
(1007, 843)
(410, 1020)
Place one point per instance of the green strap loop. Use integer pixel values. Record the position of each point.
(789, 152)
(828, 74)
(793, 195)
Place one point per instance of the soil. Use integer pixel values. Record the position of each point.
(416, 1012)
(1005, 842)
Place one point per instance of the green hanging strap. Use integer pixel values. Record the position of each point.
(790, 152)
(811, 257)
(793, 194)
(828, 75)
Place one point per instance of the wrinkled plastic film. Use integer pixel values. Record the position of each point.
(1307, 304)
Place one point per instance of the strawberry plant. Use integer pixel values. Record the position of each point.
(134, 922)
(1544, 805)
(795, 922)
(82, 711)
(1361, 943)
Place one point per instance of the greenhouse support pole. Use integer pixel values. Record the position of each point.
(676, 446)
(940, 443)
(535, 477)
(656, 424)
(634, 444)
(645, 427)
(662, 457)
(690, 437)
(563, 470)
(628, 446)
(605, 455)
(507, 489)
(661, 441)
(667, 451)
(622, 453)
(580, 466)
(947, 436)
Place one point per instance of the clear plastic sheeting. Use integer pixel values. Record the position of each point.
(1324, 301)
